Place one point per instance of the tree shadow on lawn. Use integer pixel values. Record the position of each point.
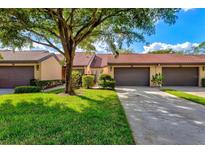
(37, 121)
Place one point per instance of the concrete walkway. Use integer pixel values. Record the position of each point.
(54, 88)
(198, 91)
(156, 117)
(6, 91)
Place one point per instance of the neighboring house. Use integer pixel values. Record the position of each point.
(19, 67)
(137, 69)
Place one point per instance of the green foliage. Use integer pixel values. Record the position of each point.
(163, 51)
(44, 84)
(27, 89)
(88, 81)
(108, 84)
(105, 77)
(94, 117)
(157, 79)
(203, 82)
(21, 27)
(200, 48)
(106, 81)
(76, 79)
(33, 82)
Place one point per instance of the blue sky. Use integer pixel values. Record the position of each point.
(189, 30)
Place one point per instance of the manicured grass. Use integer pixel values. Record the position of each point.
(93, 117)
(181, 94)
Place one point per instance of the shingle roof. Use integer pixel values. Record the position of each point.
(80, 59)
(102, 60)
(157, 59)
(24, 56)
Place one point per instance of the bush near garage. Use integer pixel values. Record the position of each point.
(88, 81)
(106, 81)
(203, 82)
(45, 84)
(76, 79)
(27, 89)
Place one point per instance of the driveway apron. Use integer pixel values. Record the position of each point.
(156, 117)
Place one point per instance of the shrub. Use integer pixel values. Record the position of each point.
(33, 82)
(27, 89)
(105, 77)
(44, 84)
(76, 79)
(88, 81)
(203, 82)
(106, 81)
(157, 79)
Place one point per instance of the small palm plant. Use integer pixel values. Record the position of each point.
(157, 80)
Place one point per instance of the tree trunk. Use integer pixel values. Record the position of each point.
(68, 76)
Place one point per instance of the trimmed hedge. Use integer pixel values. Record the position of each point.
(106, 81)
(27, 89)
(88, 81)
(203, 82)
(107, 84)
(44, 84)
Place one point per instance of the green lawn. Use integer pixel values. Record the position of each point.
(91, 117)
(181, 94)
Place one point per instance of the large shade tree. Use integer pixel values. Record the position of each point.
(200, 49)
(65, 29)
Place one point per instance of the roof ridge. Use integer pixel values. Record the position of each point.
(45, 51)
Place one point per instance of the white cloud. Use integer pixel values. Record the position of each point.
(187, 9)
(186, 46)
(36, 46)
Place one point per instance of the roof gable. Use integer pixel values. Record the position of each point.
(80, 59)
(24, 56)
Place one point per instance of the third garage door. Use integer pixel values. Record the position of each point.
(131, 76)
(183, 76)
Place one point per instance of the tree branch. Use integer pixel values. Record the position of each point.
(44, 37)
(94, 23)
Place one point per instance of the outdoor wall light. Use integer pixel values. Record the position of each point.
(37, 67)
(110, 69)
(203, 68)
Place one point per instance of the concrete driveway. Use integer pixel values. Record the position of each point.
(6, 91)
(199, 91)
(156, 117)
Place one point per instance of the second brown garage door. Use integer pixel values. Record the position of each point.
(131, 76)
(180, 76)
(13, 76)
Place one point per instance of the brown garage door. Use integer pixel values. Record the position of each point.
(15, 76)
(180, 76)
(131, 76)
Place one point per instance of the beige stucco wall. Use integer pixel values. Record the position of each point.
(158, 69)
(50, 69)
(201, 73)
